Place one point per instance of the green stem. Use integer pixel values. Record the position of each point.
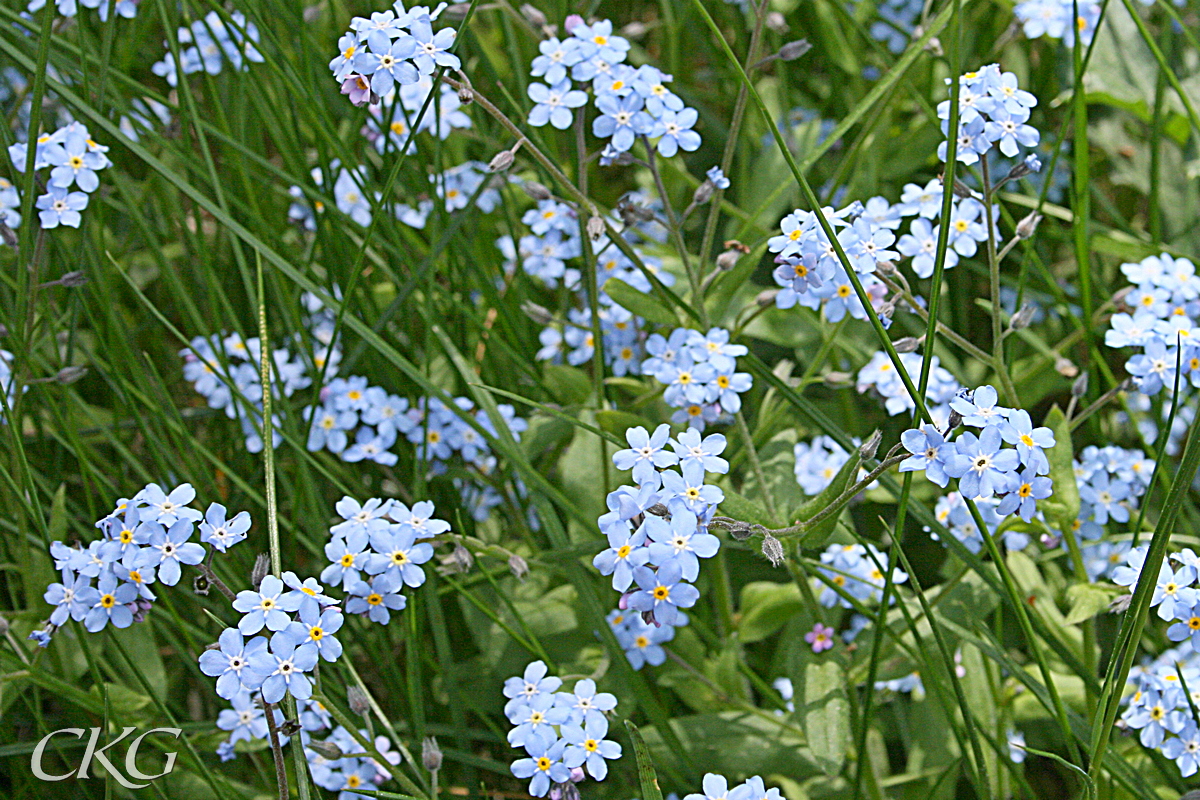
(756, 464)
(997, 359)
(351, 727)
(731, 142)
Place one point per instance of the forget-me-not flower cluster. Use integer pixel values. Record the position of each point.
(74, 158)
(144, 541)
(208, 44)
(563, 733)
(984, 467)
(657, 530)
(392, 48)
(1159, 314)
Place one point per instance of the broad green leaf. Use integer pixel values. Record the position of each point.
(643, 305)
(1062, 471)
(1089, 599)
(820, 533)
(570, 386)
(124, 702)
(647, 777)
(826, 714)
(765, 607)
(617, 422)
(738, 507)
(738, 742)
(140, 644)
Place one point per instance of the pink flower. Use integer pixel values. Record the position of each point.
(820, 637)
(359, 89)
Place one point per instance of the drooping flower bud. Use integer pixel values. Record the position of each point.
(772, 548)
(1028, 224)
(358, 701)
(262, 565)
(793, 50)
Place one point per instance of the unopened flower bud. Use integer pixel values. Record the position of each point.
(1022, 168)
(262, 565)
(728, 260)
(501, 161)
(834, 378)
(961, 190)
(703, 193)
(772, 548)
(200, 585)
(358, 701)
(462, 558)
(776, 22)
(1028, 224)
(431, 754)
(908, 344)
(572, 22)
(1080, 386)
(1120, 604)
(326, 749)
(632, 212)
(868, 448)
(536, 191)
(72, 279)
(290, 727)
(68, 375)
(595, 227)
(1022, 318)
(4, 626)
(518, 567)
(1050, 541)
(658, 510)
(793, 50)
(538, 314)
(1065, 367)
(634, 30)
(767, 297)
(934, 45)
(536, 18)
(9, 236)
(885, 267)
(954, 421)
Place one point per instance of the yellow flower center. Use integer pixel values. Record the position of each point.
(107, 601)
(374, 599)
